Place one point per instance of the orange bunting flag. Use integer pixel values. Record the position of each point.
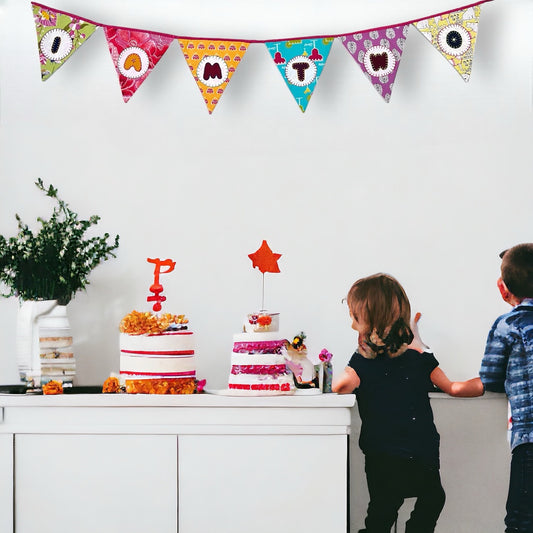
(135, 53)
(454, 36)
(212, 64)
(59, 35)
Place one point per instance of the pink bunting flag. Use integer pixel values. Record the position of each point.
(378, 53)
(135, 53)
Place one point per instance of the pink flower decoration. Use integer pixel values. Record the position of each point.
(46, 18)
(325, 356)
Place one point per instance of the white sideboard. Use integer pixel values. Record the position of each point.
(187, 464)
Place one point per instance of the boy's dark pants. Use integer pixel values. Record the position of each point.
(392, 479)
(519, 517)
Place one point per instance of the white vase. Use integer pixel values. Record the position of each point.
(44, 343)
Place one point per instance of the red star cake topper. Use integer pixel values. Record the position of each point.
(265, 259)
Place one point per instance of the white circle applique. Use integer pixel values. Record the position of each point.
(133, 62)
(300, 71)
(212, 71)
(379, 61)
(56, 44)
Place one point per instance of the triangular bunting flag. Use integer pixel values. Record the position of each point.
(59, 35)
(454, 36)
(300, 62)
(135, 53)
(212, 64)
(378, 53)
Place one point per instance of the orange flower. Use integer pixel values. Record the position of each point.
(111, 385)
(264, 320)
(53, 387)
(136, 323)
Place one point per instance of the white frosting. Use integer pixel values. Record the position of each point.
(256, 379)
(134, 364)
(257, 359)
(256, 337)
(177, 341)
(150, 356)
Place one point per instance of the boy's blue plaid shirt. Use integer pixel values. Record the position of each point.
(507, 366)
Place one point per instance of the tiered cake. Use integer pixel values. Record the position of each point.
(257, 364)
(157, 354)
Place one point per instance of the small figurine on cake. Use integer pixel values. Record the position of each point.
(157, 350)
(295, 353)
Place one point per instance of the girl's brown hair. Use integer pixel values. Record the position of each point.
(380, 305)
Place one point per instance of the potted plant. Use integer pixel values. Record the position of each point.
(45, 269)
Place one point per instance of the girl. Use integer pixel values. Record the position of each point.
(392, 375)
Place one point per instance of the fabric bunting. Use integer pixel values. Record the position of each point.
(454, 36)
(212, 64)
(300, 62)
(134, 54)
(58, 36)
(378, 53)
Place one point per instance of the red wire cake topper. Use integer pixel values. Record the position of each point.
(156, 287)
(266, 261)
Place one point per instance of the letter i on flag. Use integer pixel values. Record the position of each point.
(378, 53)
(212, 64)
(454, 36)
(135, 53)
(300, 62)
(59, 35)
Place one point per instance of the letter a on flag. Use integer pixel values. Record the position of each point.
(454, 36)
(135, 53)
(300, 62)
(59, 35)
(378, 53)
(212, 64)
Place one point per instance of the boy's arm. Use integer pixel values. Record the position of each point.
(465, 389)
(347, 383)
(494, 365)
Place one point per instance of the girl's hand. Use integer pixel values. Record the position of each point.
(417, 343)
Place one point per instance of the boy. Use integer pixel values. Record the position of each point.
(508, 366)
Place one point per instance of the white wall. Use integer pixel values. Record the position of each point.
(428, 188)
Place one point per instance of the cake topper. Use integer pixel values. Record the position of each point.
(266, 261)
(156, 287)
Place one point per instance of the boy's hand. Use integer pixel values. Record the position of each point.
(417, 343)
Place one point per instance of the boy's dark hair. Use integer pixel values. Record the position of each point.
(517, 269)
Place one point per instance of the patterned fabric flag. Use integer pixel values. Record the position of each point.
(454, 36)
(135, 53)
(378, 53)
(59, 35)
(212, 64)
(300, 62)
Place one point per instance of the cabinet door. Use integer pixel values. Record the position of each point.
(6, 482)
(95, 483)
(262, 483)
